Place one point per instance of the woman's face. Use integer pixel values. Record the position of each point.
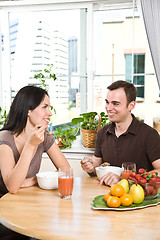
(41, 114)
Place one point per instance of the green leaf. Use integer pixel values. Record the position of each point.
(48, 74)
(75, 121)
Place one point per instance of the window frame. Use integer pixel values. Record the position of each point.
(87, 73)
(86, 37)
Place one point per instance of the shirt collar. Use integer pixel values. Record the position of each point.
(133, 127)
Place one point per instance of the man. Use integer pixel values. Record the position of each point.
(126, 139)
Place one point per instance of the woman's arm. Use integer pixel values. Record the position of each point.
(14, 175)
(57, 157)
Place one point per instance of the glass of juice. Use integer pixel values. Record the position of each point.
(65, 182)
(127, 168)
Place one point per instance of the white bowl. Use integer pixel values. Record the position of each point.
(101, 171)
(47, 180)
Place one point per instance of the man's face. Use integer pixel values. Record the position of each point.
(116, 105)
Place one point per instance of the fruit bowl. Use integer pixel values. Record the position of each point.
(150, 181)
(151, 190)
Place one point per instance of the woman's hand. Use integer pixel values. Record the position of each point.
(37, 136)
(109, 179)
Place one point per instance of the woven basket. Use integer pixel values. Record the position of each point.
(89, 136)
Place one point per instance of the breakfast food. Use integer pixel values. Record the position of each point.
(113, 201)
(117, 190)
(137, 193)
(126, 200)
(105, 164)
(137, 188)
(150, 181)
(117, 196)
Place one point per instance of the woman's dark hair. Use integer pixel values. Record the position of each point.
(27, 98)
(129, 88)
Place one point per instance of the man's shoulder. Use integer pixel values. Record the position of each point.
(145, 128)
(104, 129)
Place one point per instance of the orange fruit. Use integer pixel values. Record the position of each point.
(106, 196)
(117, 190)
(113, 202)
(126, 199)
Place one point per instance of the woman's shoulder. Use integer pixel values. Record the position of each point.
(6, 135)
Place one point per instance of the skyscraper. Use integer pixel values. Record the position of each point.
(46, 46)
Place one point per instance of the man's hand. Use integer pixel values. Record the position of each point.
(109, 179)
(87, 165)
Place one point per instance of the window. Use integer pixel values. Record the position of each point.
(139, 68)
(42, 38)
(90, 45)
(119, 36)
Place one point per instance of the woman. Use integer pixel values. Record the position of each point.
(24, 138)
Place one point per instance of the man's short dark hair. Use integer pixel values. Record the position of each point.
(129, 88)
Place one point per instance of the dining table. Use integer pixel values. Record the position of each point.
(43, 214)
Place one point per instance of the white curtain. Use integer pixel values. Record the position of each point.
(151, 15)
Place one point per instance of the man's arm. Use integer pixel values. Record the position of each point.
(156, 165)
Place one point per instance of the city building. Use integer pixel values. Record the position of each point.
(47, 46)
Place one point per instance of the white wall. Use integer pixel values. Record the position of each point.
(47, 165)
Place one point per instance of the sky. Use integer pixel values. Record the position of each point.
(67, 21)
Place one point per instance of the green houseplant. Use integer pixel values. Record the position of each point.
(48, 74)
(44, 76)
(3, 116)
(90, 120)
(65, 136)
(90, 123)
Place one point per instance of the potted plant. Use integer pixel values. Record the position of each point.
(90, 123)
(65, 136)
(3, 116)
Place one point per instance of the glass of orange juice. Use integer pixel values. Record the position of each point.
(65, 183)
(127, 168)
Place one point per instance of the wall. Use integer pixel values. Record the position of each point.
(47, 165)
